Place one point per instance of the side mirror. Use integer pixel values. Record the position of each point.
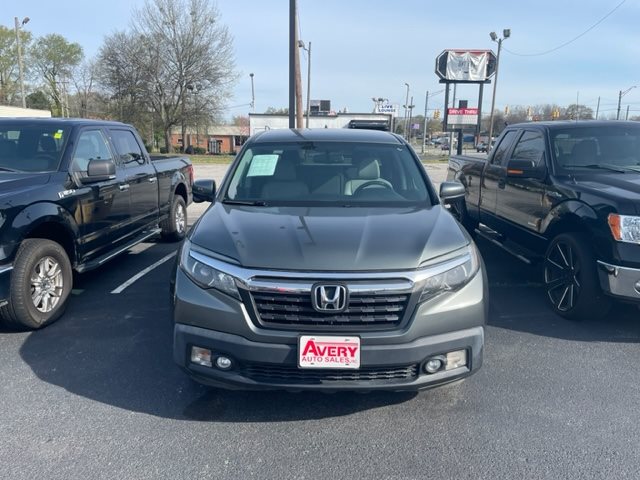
(450, 191)
(526, 169)
(204, 191)
(100, 170)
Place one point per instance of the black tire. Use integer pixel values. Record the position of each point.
(41, 282)
(174, 228)
(571, 279)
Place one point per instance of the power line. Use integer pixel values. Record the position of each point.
(570, 41)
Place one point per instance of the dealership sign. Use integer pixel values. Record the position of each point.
(466, 65)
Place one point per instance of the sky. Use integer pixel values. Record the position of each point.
(371, 48)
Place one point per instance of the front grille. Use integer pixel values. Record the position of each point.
(284, 374)
(286, 309)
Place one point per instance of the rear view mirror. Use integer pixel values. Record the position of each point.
(204, 191)
(450, 191)
(519, 168)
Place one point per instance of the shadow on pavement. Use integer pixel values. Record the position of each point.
(518, 302)
(117, 350)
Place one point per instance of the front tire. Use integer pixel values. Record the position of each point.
(41, 282)
(571, 279)
(174, 228)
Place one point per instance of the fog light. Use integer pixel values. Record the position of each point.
(434, 364)
(456, 359)
(201, 356)
(223, 363)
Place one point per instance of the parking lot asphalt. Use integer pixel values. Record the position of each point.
(96, 395)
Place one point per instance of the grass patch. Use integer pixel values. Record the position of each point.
(211, 159)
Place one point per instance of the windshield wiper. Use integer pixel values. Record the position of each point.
(252, 203)
(603, 166)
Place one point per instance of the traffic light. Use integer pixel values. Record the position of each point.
(436, 114)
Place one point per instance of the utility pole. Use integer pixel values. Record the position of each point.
(598, 108)
(627, 115)
(293, 47)
(411, 105)
(298, 81)
(620, 95)
(20, 65)
(308, 85)
(426, 120)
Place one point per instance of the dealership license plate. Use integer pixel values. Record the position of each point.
(316, 351)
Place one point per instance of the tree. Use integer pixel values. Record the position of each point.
(54, 58)
(185, 45)
(9, 62)
(574, 112)
(277, 111)
(120, 72)
(38, 100)
(84, 79)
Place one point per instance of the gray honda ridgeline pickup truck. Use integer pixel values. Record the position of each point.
(327, 262)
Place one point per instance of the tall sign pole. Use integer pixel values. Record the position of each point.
(293, 47)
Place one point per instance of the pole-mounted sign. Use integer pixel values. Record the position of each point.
(460, 66)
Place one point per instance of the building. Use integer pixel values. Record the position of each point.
(6, 111)
(214, 139)
(259, 122)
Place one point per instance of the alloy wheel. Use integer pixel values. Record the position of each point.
(47, 284)
(561, 276)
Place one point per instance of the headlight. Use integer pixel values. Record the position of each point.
(625, 228)
(451, 275)
(195, 265)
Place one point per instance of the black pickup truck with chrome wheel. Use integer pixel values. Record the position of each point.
(567, 193)
(73, 194)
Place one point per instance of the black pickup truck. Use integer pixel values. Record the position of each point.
(568, 193)
(74, 194)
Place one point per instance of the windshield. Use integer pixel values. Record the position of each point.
(612, 148)
(325, 172)
(31, 148)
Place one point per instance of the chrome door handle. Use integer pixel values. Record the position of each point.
(123, 187)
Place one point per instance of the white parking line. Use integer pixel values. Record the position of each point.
(142, 273)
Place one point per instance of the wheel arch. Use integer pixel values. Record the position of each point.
(48, 221)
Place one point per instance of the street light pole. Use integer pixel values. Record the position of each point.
(253, 96)
(25, 20)
(620, 95)
(426, 120)
(506, 34)
(301, 43)
(406, 107)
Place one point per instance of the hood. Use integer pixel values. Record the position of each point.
(328, 238)
(11, 182)
(621, 187)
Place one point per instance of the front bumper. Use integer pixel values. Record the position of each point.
(5, 283)
(620, 282)
(265, 366)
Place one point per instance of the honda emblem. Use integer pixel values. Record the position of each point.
(329, 298)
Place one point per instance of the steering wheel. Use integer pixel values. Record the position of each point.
(380, 183)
